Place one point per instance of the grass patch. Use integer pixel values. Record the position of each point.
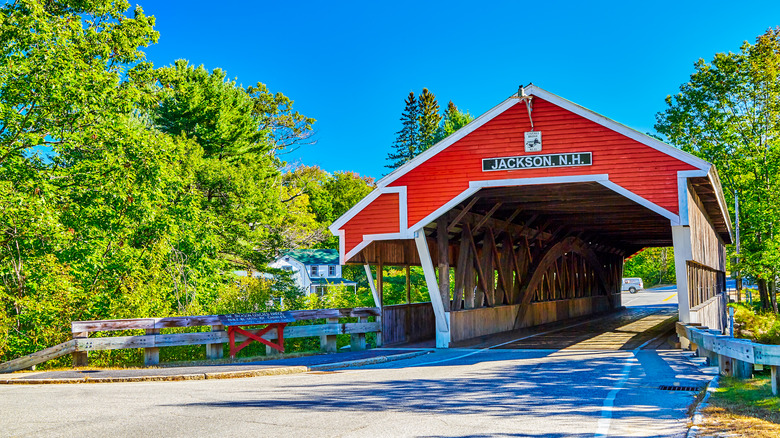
(743, 408)
(751, 322)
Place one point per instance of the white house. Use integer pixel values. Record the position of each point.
(314, 270)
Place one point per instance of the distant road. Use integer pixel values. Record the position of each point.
(659, 296)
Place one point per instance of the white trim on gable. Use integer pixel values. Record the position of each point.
(682, 193)
(712, 175)
(675, 219)
(342, 245)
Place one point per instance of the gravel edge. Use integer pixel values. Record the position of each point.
(698, 417)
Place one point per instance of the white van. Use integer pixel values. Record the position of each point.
(632, 285)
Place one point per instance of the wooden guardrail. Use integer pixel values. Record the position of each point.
(153, 340)
(734, 356)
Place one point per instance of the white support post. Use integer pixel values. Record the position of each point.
(372, 285)
(442, 317)
(681, 237)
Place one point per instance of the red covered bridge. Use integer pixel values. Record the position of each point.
(535, 205)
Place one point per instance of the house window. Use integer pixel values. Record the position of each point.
(331, 271)
(315, 271)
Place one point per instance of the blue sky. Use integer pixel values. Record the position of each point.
(351, 64)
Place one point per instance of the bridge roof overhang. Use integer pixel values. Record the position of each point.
(595, 178)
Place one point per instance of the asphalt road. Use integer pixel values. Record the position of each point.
(575, 391)
(662, 296)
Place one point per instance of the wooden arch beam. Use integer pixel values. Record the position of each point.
(567, 245)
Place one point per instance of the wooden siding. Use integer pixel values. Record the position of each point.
(379, 217)
(408, 323)
(467, 324)
(641, 169)
(706, 245)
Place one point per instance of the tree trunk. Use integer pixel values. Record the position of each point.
(763, 294)
(772, 294)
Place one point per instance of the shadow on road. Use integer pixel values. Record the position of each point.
(547, 384)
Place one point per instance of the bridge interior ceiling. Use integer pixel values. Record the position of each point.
(540, 215)
(588, 210)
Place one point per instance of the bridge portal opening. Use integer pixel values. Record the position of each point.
(512, 235)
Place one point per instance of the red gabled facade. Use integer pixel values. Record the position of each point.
(380, 217)
(432, 180)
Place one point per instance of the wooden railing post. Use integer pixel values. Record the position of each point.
(358, 340)
(379, 333)
(216, 351)
(80, 358)
(328, 342)
(742, 369)
(775, 379)
(152, 354)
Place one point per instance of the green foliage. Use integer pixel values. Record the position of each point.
(729, 114)
(422, 127)
(407, 139)
(429, 119)
(754, 323)
(394, 285)
(329, 196)
(653, 265)
(128, 191)
(453, 120)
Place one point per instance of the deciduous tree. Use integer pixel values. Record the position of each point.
(729, 114)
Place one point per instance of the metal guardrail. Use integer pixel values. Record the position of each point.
(734, 356)
(214, 340)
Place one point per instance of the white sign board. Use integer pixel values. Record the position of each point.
(533, 141)
(537, 161)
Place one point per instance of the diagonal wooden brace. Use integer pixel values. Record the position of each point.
(256, 337)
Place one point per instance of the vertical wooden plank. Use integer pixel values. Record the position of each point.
(408, 285)
(357, 341)
(460, 273)
(468, 268)
(479, 293)
(215, 351)
(380, 283)
(514, 294)
(775, 379)
(152, 354)
(328, 342)
(505, 268)
(80, 358)
(488, 270)
(742, 369)
(725, 365)
(443, 245)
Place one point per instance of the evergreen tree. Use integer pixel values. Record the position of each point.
(423, 127)
(428, 121)
(407, 139)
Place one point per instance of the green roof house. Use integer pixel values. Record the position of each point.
(314, 270)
